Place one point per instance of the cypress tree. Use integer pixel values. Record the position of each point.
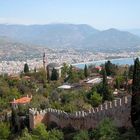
(26, 68)
(71, 73)
(130, 72)
(135, 102)
(104, 78)
(48, 74)
(126, 79)
(117, 83)
(35, 69)
(108, 68)
(86, 71)
(14, 120)
(54, 75)
(107, 95)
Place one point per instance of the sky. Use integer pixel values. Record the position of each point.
(100, 14)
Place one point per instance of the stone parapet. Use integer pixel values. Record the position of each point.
(118, 109)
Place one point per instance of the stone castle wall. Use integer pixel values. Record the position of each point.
(119, 110)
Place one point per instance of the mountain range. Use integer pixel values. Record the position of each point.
(12, 50)
(135, 31)
(79, 36)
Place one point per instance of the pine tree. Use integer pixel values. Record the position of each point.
(54, 75)
(107, 95)
(135, 103)
(26, 68)
(48, 74)
(86, 71)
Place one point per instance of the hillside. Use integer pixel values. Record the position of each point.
(52, 35)
(10, 50)
(135, 31)
(113, 40)
(71, 36)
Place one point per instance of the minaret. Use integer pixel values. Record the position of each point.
(44, 61)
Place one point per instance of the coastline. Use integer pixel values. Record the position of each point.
(118, 61)
(89, 62)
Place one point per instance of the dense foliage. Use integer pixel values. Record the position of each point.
(135, 112)
(54, 75)
(110, 68)
(86, 73)
(40, 133)
(45, 93)
(26, 68)
(106, 93)
(4, 130)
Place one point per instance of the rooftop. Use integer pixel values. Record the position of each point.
(22, 100)
(65, 87)
(94, 81)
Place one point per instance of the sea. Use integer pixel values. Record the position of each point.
(118, 61)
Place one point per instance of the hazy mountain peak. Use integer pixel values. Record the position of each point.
(71, 35)
(112, 30)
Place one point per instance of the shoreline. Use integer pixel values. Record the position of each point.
(103, 60)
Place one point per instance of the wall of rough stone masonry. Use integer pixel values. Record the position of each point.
(5, 115)
(119, 110)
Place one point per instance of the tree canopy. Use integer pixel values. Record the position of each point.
(106, 93)
(26, 68)
(86, 74)
(106, 131)
(54, 75)
(135, 104)
(4, 130)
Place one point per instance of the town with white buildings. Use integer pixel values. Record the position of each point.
(60, 56)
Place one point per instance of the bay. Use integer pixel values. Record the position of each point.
(120, 61)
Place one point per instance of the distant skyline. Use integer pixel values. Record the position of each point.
(100, 14)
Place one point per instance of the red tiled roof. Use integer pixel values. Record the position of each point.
(98, 67)
(22, 100)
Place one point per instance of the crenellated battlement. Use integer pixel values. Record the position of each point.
(62, 118)
(105, 106)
